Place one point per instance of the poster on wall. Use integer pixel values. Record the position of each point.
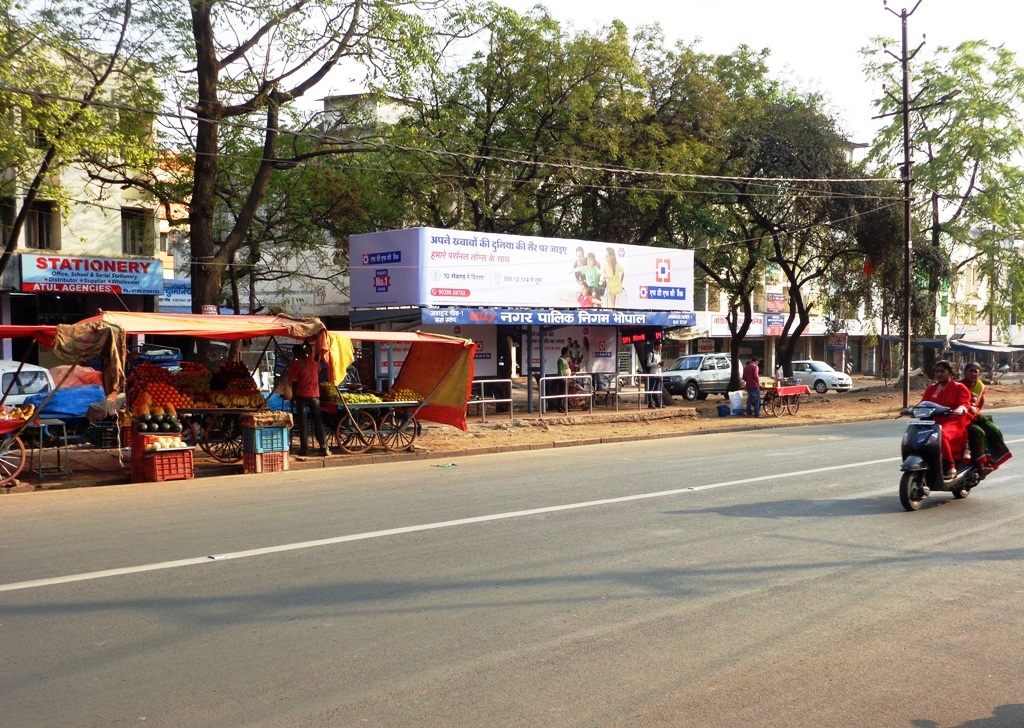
(591, 349)
(485, 363)
(437, 267)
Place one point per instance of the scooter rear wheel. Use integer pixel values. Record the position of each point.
(961, 492)
(912, 490)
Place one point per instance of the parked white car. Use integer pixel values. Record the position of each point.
(820, 377)
(31, 380)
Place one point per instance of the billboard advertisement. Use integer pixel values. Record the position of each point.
(437, 267)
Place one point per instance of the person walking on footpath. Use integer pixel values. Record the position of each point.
(654, 382)
(752, 383)
(304, 375)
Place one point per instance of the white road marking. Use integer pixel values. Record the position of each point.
(123, 571)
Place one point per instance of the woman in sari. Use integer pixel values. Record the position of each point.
(948, 392)
(986, 440)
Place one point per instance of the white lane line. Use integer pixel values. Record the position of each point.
(123, 571)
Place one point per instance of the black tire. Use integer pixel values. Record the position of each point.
(820, 387)
(777, 406)
(961, 492)
(792, 404)
(691, 391)
(910, 490)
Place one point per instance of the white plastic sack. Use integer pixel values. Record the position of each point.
(736, 399)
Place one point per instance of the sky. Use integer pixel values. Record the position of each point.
(815, 44)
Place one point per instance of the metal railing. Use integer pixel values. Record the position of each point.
(634, 385)
(481, 400)
(584, 390)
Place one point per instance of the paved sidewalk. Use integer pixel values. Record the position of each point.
(92, 466)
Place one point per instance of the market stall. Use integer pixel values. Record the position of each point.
(434, 384)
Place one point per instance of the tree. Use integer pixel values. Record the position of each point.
(802, 196)
(967, 138)
(59, 67)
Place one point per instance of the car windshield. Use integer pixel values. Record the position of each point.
(685, 362)
(820, 366)
(27, 383)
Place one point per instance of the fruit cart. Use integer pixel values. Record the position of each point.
(357, 421)
(783, 399)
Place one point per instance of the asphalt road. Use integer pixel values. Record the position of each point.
(764, 578)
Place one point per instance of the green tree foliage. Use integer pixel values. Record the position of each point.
(967, 137)
(71, 80)
(805, 201)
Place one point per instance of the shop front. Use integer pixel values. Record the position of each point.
(53, 289)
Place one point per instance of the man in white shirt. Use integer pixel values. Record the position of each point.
(654, 382)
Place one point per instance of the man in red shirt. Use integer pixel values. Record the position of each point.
(304, 375)
(752, 382)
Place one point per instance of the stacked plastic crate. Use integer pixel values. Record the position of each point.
(157, 458)
(265, 449)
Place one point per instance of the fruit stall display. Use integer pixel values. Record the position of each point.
(211, 401)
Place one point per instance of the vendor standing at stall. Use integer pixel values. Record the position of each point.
(304, 375)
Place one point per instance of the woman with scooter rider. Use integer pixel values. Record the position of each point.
(988, 450)
(948, 392)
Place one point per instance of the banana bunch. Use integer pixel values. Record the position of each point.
(26, 412)
(360, 398)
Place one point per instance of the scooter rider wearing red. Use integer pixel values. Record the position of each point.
(948, 392)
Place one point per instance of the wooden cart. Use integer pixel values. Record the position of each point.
(217, 430)
(780, 400)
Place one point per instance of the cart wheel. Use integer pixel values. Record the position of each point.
(356, 433)
(793, 404)
(223, 438)
(397, 430)
(12, 459)
(777, 406)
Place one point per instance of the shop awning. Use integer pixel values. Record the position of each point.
(979, 348)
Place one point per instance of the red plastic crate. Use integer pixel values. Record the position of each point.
(160, 465)
(264, 462)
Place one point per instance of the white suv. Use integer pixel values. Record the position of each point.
(31, 380)
(697, 375)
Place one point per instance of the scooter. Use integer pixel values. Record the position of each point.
(922, 459)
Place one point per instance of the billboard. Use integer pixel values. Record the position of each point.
(437, 267)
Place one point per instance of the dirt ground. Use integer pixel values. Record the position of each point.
(870, 399)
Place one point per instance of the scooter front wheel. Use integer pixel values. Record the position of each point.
(912, 489)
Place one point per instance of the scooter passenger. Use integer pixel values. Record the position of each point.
(948, 392)
(988, 448)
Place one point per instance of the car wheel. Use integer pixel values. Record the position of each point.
(820, 387)
(691, 391)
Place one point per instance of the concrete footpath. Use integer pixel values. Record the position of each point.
(92, 466)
